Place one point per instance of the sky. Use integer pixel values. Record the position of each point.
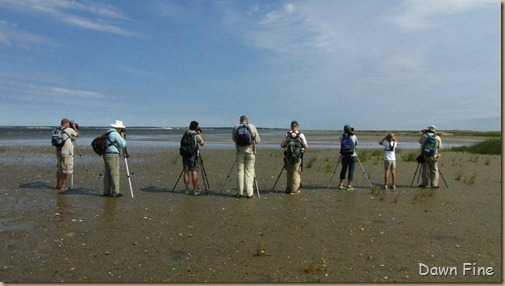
(375, 65)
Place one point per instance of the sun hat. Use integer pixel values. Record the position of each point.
(294, 122)
(347, 128)
(118, 124)
(432, 128)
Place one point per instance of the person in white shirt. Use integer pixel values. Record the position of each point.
(390, 144)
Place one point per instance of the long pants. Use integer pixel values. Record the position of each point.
(245, 173)
(348, 162)
(293, 174)
(430, 171)
(111, 174)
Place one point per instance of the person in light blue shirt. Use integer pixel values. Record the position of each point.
(115, 145)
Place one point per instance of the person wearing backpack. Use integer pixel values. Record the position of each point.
(115, 143)
(245, 137)
(189, 150)
(294, 145)
(390, 144)
(431, 144)
(348, 142)
(62, 140)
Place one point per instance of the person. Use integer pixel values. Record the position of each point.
(390, 144)
(348, 142)
(115, 145)
(294, 145)
(246, 137)
(190, 161)
(431, 144)
(65, 153)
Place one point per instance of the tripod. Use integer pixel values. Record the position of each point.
(419, 175)
(82, 160)
(362, 169)
(229, 173)
(204, 174)
(125, 155)
(284, 167)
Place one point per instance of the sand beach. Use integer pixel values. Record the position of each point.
(452, 234)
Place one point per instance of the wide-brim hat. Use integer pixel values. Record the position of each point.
(118, 124)
(432, 128)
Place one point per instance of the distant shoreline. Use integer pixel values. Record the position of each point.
(363, 132)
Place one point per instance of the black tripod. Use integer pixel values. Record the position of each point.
(255, 180)
(284, 168)
(205, 179)
(419, 167)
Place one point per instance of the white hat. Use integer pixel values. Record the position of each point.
(118, 124)
(432, 128)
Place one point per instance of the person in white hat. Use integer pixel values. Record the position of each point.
(431, 144)
(115, 145)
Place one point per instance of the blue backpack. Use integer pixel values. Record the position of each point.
(57, 137)
(347, 145)
(244, 136)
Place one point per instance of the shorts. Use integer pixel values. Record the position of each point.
(389, 164)
(190, 163)
(65, 164)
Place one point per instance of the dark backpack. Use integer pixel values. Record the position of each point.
(99, 144)
(392, 146)
(244, 136)
(294, 146)
(347, 145)
(189, 145)
(57, 137)
(430, 145)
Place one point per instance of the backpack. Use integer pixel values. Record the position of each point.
(244, 136)
(392, 146)
(430, 146)
(99, 143)
(293, 146)
(57, 137)
(189, 145)
(347, 145)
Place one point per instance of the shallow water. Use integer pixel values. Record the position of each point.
(216, 138)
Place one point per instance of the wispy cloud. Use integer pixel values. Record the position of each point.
(10, 34)
(413, 15)
(85, 15)
(47, 92)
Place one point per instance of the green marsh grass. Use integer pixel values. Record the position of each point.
(490, 146)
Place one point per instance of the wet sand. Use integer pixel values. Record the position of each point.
(320, 235)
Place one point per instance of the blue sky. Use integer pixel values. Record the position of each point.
(376, 65)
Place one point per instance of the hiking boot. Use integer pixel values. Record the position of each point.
(435, 187)
(350, 188)
(422, 186)
(117, 195)
(295, 192)
(238, 196)
(287, 191)
(250, 197)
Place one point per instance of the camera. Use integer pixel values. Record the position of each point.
(72, 123)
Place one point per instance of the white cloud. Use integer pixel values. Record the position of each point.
(86, 15)
(415, 15)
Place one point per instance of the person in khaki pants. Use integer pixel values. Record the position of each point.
(245, 137)
(115, 144)
(294, 145)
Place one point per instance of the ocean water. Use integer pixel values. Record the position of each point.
(215, 138)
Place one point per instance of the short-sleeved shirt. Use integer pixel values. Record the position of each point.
(389, 153)
(68, 147)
